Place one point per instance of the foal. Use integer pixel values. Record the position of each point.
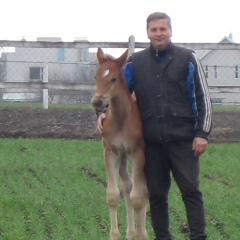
(122, 140)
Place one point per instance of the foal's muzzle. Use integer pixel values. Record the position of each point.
(97, 103)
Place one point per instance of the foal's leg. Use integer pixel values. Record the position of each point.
(126, 186)
(139, 194)
(112, 166)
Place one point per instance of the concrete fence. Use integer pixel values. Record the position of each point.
(47, 65)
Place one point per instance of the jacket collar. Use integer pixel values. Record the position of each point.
(161, 53)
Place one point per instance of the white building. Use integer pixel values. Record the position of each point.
(222, 69)
(31, 64)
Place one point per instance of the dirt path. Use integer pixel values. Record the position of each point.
(81, 124)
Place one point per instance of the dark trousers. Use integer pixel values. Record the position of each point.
(177, 157)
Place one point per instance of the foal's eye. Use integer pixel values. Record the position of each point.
(114, 80)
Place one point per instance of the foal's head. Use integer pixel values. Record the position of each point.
(107, 76)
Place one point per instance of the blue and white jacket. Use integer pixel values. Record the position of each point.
(172, 94)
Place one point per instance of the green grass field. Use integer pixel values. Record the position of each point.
(216, 108)
(55, 189)
(40, 105)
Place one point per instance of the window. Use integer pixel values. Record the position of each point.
(217, 101)
(60, 54)
(236, 72)
(206, 71)
(215, 71)
(36, 73)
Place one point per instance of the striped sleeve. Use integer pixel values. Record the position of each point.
(203, 100)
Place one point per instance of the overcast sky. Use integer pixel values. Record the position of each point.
(110, 20)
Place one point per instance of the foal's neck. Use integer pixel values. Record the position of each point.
(120, 103)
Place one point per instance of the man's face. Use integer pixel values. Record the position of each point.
(159, 33)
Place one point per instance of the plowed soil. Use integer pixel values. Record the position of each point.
(81, 124)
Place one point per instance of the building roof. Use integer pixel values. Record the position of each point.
(202, 53)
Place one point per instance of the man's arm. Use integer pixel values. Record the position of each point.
(128, 74)
(203, 100)
(203, 108)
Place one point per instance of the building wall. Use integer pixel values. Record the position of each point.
(64, 69)
(67, 65)
(225, 62)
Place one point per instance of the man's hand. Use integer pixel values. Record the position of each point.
(199, 146)
(100, 122)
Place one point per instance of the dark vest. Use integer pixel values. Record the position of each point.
(162, 94)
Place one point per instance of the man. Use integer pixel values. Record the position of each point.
(175, 106)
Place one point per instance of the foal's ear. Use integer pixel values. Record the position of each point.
(121, 60)
(100, 55)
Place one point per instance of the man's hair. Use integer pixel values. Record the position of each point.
(158, 15)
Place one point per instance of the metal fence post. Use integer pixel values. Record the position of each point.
(131, 45)
(45, 91)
